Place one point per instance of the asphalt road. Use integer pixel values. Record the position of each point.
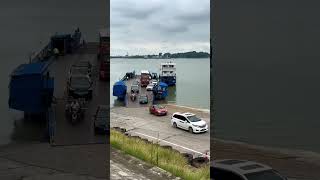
(290, 164)
(44, 162)
(139, 122)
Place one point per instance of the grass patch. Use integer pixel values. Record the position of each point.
(154, 154)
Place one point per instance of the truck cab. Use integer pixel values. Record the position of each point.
(104, 43)
(145, 78)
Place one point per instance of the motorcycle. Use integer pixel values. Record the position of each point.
(75, 114)
(75, 111)
(133, 97)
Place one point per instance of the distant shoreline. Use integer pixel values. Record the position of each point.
(118, 57)
(190, 54)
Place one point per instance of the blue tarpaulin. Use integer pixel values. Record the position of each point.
(119, 89)
(30, 89)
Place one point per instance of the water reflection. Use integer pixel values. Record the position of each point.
(172, 94)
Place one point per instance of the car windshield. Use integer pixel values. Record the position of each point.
(79, 71)
(194, 118)
(134, 87)
(83, 64)
(143, 97)
(159, 107)
(80, 82)
(135, 83)
(269, 174)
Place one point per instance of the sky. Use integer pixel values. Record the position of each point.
(140, 27)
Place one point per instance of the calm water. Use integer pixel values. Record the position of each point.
(267, 76)
(27, 26)
(193, 77)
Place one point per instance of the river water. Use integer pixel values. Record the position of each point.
(26, 26)
(193, 78)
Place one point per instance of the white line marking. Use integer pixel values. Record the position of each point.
(172, 144)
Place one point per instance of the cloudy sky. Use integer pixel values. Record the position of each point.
(153, 26)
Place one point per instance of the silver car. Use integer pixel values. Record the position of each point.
(242, 170)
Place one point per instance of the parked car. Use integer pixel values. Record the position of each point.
(100, 120)
(137, 83)
(80, 86)
(84, 64)
(143, 99)
(74, 70)
(189, 121)
(154, 82)
(134, 89)
(242, 170)
(150, 87)
(158, 110)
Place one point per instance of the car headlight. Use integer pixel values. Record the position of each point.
(196, 126)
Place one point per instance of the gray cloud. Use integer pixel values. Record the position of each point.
(151, 26)
(174, 28)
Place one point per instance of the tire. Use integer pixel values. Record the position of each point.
(190, 130)
(175, 125)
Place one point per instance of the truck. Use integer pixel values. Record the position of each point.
(31, 88)
(104, 43)
(144, 78)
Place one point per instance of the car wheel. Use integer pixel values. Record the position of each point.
(190, 130)
(175, 125)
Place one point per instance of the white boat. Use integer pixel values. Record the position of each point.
(168, 73)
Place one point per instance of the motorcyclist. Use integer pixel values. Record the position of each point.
(133, 96)
(75, 105)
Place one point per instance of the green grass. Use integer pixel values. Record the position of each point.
(166, 159)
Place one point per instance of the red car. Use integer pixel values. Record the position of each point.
(158, 110)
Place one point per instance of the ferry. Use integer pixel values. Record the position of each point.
(168, 73)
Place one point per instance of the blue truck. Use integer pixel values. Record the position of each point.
(31, 88)
(120, 90)
(160, 91)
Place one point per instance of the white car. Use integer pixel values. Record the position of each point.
(151, 85)
(154, 82)
(189, 121)
(242, 170)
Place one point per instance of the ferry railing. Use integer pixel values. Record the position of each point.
(51, 124)
(41, 55)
